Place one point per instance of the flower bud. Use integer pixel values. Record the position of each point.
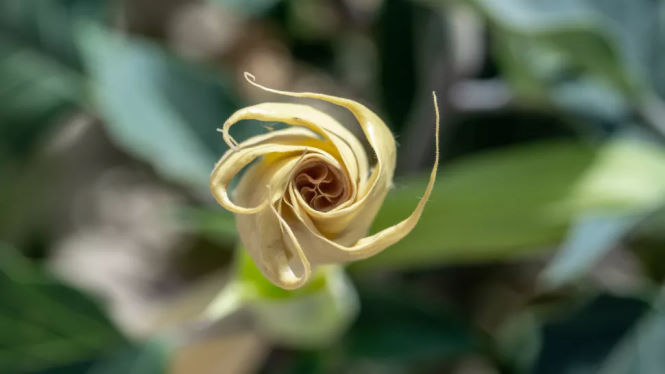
(310, 195)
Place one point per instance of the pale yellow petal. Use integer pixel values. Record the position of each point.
(373, 192)
(311, 198)
(274, 248)
(350, 151)
(234, 161)
(271, 244)
(323, 250)
(281, 136)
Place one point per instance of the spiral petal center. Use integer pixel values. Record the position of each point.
(321, 185)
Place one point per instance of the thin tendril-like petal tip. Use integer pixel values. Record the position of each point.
(249, 77)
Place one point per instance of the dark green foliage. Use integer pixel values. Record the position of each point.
(579, 342)
(44, 323)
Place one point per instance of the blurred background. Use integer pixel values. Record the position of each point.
(542, 249)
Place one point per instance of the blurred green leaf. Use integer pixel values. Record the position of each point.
(610, 334)
(578, 342)
(582, 54)
(311, 316)
(32, 92)
(591, 237)
(396, 328)
(519, 200)
(149, 358)
(44, 323)
(591, 99)
(48, 27)
(647, 242)
(40, 70)
(641, 351)
(397, 333)
(627, 176)
(608, 38)
(158, 108)
(518, 342)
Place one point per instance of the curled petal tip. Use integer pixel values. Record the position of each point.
(249, 77)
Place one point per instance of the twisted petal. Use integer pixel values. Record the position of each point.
(310, 196)
(268, 238)
(276, 144)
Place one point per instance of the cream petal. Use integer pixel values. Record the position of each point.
(377, 133)
(371, 193)
(323, 250)
(234, 161)
(266, 237)
(349, 150)
(291, 218)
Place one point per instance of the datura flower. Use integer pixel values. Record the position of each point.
(309, 195)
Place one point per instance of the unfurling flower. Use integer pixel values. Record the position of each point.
(310, 195)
